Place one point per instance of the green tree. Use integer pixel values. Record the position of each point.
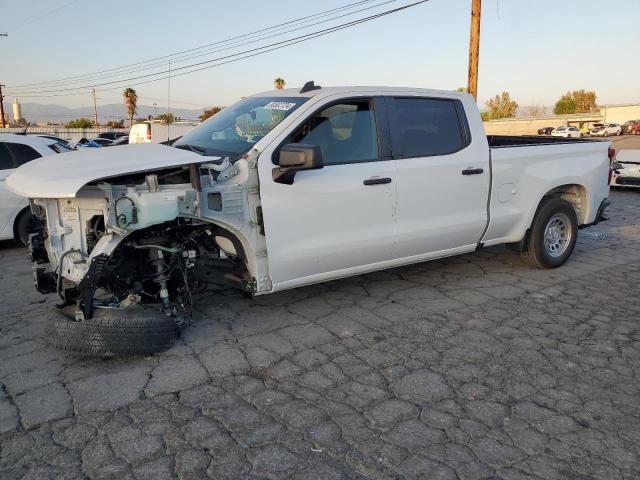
(131, 102)
(461, 89)
(485, 116)
(209, 113)
(116, 124)
(577, 101)
(564, 106)
(79, 123)
(166, 118)
(279, 83)
(501, 106)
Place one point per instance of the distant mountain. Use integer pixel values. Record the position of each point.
(39, 113)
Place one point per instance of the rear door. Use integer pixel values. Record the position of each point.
(338, 220)
(443, 177)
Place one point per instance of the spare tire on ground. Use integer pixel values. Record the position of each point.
(112, 332)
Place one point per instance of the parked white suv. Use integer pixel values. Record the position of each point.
(290, 188)
(16, 150)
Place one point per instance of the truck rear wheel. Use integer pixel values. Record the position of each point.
(553, 234)
(112, 332)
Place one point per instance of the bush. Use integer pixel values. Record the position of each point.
(79, 123)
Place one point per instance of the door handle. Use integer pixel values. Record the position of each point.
(377, 181)
(472, 171)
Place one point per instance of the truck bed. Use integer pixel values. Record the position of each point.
(498, 141)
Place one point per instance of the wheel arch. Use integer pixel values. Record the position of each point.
(573, 193)
(576, 194)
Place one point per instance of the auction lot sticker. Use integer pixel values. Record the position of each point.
(279, 105)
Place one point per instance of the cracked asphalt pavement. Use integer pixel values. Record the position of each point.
(473, 367)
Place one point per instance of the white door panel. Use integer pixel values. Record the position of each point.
(443, 176)
(328, 220)
(438, 207)
(338, 217)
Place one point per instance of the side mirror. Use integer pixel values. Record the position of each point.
(294, 157)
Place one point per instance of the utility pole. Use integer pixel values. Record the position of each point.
(474, 49)
(2, 106)
(95, 110)
(169, 101)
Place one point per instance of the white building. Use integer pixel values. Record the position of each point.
(17, 111)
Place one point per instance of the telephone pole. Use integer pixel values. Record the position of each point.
(474, 49)
(95, 110)
(2, 106)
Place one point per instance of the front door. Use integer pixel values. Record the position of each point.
(337, 220)
(443, 177)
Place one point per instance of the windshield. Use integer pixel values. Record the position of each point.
(237, 128)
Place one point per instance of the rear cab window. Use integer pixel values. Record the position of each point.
(423, 127)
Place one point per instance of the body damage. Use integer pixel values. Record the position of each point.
(154, 235)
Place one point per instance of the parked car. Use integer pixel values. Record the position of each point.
(16, 150)
(87, 143)
(112, 135)
(567, 132)
(123, 140)
(290, 188)
(626, 169)
(103, 142)
(545, 130)
(158, 132)
(61, 141)
(605, 129)
(630, 126)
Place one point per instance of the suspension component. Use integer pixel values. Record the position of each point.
(161, 278)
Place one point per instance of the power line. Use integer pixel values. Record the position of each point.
(46, 14)
(240, 55)
(191, 56)
(184, 58)
(220, 42)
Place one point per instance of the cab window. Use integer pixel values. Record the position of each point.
(345, 132)
(423, 127)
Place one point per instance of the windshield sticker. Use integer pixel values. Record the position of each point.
(279, 106)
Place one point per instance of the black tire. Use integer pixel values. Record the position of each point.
(535, 252)
(24, 223)
(112, 332)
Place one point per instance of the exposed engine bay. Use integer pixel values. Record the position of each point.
(154, 237)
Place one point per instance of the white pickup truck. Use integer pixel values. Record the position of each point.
(294, 187)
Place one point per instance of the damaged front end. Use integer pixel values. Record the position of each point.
(152, 237)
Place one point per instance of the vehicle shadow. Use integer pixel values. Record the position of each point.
(10, 245)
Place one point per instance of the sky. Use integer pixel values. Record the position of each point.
(535, 50)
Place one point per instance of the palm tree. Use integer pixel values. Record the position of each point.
(279, 83)
(131, 101)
